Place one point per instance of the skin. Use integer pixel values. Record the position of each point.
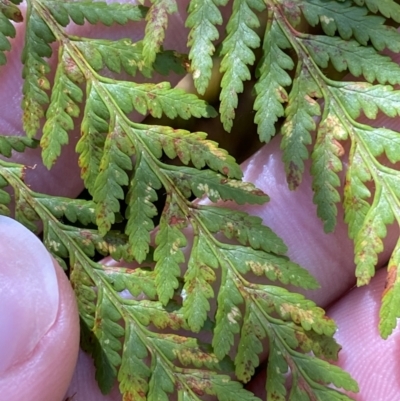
(52, 370)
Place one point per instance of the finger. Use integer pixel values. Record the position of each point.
(39, 327)
(372, 361)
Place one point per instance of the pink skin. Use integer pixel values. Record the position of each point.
(43, 371)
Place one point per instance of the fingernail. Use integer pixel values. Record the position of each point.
(29, 294)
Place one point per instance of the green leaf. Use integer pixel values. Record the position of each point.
(8, 11)
(17, 143)
(388, 8)
(117, 56)
(35, 71)
(157, 23)
(137, 282)
(202, 18)
(350, 21)
(5, 198)
(139, 321)
(369, 221)
(168, 61)
(141, 209)
(155, 313)
(158, 99)
(308, 374)
(356, 193)
(246, 229)
(189, 352)
(134, 373)
(94, 129)
(272, 81)
(215, 186)
(84, 292)
(112, 176)
(250, 343)
(274, 267)
(160, 383)
(300, 112)
(228, 316)
(113, 243)
(381, 141)
(168, 255)
(326, 165)
(389, 311)
(322, 372)
(351, 56)
(73, 209)
(227, 390)
(125, 55)
(53, 242)
(24, 212)
(357, 97)
(108, 333)
(237, 54)
(277, 368)
(63, 107)
(198, 278)
(95, 12)
(322, 346)
(294, 307)
(368, 242)
(189, 147)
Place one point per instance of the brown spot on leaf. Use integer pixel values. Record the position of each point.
(391, 279)
(17, 16)
(293, 176)
(225, 170)
(338, 148)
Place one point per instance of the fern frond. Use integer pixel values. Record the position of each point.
(125, 55)
(272, 80)
(351, 56)
(350, 21)
(8, 143)
(94, 12)
(141, 209)
(107, 190)
(300, 112)
(8, 11)
(94, 129)
(353, 42)
(158, 99)
(389, 8)
(63, 107)
(237, 54)
(202, 18)
(5, 198)
(36, 50)
(157, 23)
(139, 324)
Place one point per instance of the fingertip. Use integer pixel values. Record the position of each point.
(43, 370)
(371, 360)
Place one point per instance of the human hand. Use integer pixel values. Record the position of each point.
(42, 364)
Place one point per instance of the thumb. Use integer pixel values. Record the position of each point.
(39, 328)
(371, 360)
